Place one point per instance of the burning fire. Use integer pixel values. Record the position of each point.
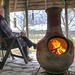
(57, 45)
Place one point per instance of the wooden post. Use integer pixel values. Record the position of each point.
(66, 17)
(26, 11)
(6, 8)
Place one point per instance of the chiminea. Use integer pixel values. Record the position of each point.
(55, 53)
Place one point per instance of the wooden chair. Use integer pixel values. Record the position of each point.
(7, 44)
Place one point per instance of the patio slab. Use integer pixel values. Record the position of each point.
(18, 67)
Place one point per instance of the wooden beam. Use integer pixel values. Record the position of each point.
(11, 1)
(26, 10)
(15, 4)
(2, 2)
(6, 8)
(66, 18)
(42, 1)
(18, 1)
(43, 5)
(21, 2)
(39, 7)
(49, 0)
(39, 4)
(20, 5)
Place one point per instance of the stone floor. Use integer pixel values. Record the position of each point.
(18, 67)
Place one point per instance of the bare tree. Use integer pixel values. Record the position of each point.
(35, 17)
(71, 18)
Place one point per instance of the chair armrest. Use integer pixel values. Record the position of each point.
(7, 38)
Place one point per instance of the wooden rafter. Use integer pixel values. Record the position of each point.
(19, 5)
(2, 2)
(15, 4)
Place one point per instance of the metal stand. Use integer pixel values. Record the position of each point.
(38, 70)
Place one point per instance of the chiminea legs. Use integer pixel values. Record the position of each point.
(46, 73)
(55, 74)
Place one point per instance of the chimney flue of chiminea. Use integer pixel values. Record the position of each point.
(55, 53)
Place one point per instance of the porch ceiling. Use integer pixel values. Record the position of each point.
(20, 5)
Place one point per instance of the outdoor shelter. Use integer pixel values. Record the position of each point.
(25, 5)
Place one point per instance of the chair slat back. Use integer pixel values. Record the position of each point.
(2, 27)
(0, 39)
(2, 33)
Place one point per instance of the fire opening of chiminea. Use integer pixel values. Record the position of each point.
(58, 45)
(55, 52)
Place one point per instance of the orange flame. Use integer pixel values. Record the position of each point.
(57, 45)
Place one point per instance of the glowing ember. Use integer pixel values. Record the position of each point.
(57, 45)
